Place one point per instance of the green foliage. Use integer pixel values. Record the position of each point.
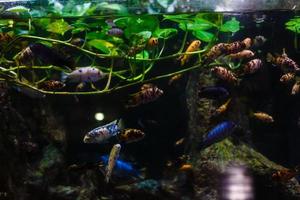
(59, 27)
(165, 33)
(231, 26)
(293, 24)
(101, 45)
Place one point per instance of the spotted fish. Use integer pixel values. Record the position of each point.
(112, 159)
(85, 75)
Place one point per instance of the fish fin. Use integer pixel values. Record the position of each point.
(120, 123)
(270, 58)
(64, 77)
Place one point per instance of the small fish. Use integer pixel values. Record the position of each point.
(242, 54)
(284, 175)
(286, 78)
(152, 42)
(284, 62)
(51, 85)
(117, 32)
(103, 133)
(122, 166)
(148, 93)
(222, 109)
(258, 41)
(194, 46)
(224, 74)
(174, 78)
(213, 92)
(252, 66)
(130, 135)
(263, 117)
(186, 167)
(113, 157)
(296, 88)
(218, 133)
(85, 74)
(179, 142)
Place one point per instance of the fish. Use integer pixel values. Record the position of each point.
(113, 157)
(259, 41)
(179, 142)
(194, 46)
(117, 32)
(242, 54)
(222, 109)
(228, 48)
(286, 78)
(103, 133)
(284, 175)
(174, 78)
(263, 117)
(252, 66)
(130, 135)
(122, 166)
(296, 88)
(51, 85)
(218, 133)
(213, 92)
(186, 167)
(84, 74)
(147, 94)
(284, 62)
(152, 42)
(224, 74)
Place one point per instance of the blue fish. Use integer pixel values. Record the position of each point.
(103, 133)
(122, 167)
(218, 133)
(213, 92)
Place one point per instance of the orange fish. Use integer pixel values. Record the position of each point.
(152, 42)
(131, 135)
(296, 88)
(284, 175)
(174, 78)
(242, 54)
(286, 78)
(194, 46)
(179, 142)
(222, 108)
(186, 167)
(224, 74)
(263, 117)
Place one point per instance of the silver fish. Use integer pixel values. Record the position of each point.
(85, 74)
(102, 133)
(113, 156)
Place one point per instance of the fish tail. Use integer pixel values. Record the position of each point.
(270, 58)
(64, 77)
(121, 124)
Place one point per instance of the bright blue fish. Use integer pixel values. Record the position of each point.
(122, 166)
(218, 133)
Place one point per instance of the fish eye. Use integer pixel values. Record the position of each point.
(80, 70)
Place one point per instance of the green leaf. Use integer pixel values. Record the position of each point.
(95, 35)
(177, 18)
(17, 9)
(214, 18)
(80, 10)
(122, 22)
(165, 33)
(102, 45)
(231, 26)
(138, 24)
(144, 35)
(42, 22)
(203, 35)
(143, 54)
(59, 27)
(109, 7)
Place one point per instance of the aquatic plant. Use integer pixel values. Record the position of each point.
(91, 40)
(294, 26)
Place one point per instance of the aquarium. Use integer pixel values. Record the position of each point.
(159, 100)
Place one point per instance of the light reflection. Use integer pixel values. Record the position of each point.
(99, 116)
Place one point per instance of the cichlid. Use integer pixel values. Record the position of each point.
(113, 156)
(122, 166)
(117, 32)
(213, 92)
(218, 133)
(85, 74)
(252, 66)
(51, 85)
(194, 46)
(284, 62)
(285, 175)
(296, 88)
(103, 133)
(242, 54)
(130, 135)
(263, 117)
(148, 93)
(222, 109)
(286, 78)
(224, 74)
